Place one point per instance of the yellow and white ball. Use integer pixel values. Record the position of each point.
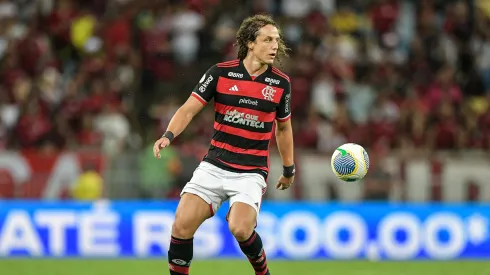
(350, 162)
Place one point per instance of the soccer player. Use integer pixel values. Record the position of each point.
(250, 97)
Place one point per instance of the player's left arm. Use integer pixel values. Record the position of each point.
(285, 144)
(284, 139)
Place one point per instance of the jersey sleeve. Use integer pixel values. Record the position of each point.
(284, 109)
(205, 90)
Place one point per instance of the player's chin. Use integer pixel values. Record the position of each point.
(268, 61)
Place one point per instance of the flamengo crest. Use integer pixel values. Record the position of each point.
(268, 93)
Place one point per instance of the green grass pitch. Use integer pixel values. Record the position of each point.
(237, 267)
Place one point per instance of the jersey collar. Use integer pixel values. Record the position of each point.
(258, 77)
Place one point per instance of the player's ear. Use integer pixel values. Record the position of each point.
(251, 45)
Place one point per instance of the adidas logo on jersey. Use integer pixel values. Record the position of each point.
(234, 88)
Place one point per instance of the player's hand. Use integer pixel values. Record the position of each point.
(284, 183)
(159, 145)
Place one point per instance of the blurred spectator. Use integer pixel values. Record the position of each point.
(158, 177)
(114, 127)
(185, 24)
(89, 185)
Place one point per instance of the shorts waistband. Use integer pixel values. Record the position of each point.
(217, 163)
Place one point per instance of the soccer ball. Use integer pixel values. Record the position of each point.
(350, 162)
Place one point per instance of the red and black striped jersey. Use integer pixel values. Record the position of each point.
(246, 109)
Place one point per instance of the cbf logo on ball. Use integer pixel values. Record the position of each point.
(350, 162)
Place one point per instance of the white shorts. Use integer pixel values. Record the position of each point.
(215, 185)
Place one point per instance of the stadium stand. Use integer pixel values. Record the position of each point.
(103, 78)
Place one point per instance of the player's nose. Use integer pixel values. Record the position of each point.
(275, 45)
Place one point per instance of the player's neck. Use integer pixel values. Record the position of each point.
(254, 66)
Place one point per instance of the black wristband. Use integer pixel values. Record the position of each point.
(288, 171)
(168, 135)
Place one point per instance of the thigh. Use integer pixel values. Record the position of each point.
(246, 192)
(191, 212)
(201, 197)
(207, 185)
(242, 215)
(242, 220)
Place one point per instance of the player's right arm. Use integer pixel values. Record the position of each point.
(201, 95)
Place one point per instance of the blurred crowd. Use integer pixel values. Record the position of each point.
(110, 74)
(402, 74)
